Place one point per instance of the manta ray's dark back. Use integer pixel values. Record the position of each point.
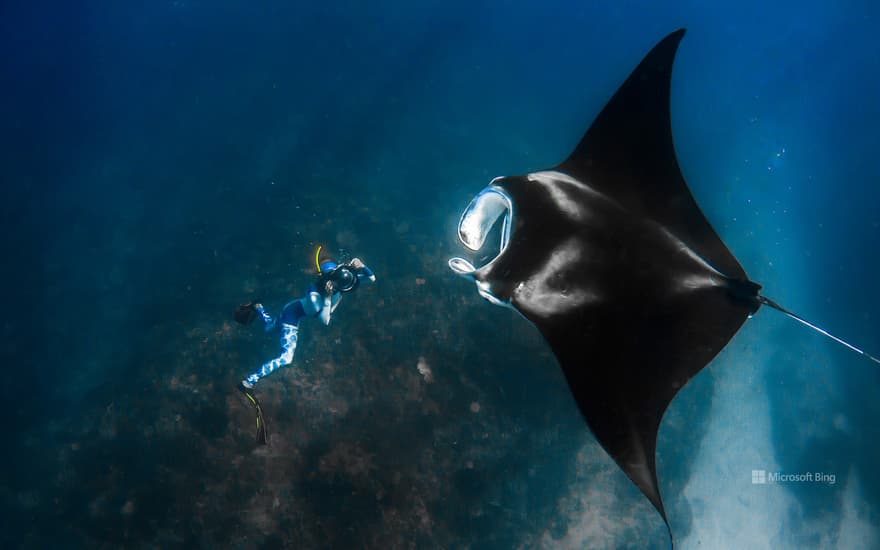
(661, 293)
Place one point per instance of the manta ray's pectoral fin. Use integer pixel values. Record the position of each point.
(628, 154)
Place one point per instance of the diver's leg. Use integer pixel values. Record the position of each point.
(288, 347)
(264, 315)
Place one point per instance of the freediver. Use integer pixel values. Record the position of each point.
(321, 300)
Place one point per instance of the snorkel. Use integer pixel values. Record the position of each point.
(324, 262)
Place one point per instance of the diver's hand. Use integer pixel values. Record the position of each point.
(329, 287)
(356, 263)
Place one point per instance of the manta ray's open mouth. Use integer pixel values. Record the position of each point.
(477, 223)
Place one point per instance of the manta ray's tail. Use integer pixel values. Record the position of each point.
(768, 302)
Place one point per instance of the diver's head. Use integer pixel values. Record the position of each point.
(324, 261)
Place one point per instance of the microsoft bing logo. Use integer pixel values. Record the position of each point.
(763, 477)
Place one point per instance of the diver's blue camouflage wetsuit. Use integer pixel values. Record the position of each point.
(320, 301)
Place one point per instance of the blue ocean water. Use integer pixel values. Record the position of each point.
(164, 162)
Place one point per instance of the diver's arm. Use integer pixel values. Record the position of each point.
(367, 273)
(327, 308)
(363, 272)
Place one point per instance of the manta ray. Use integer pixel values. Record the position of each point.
(610, 257)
